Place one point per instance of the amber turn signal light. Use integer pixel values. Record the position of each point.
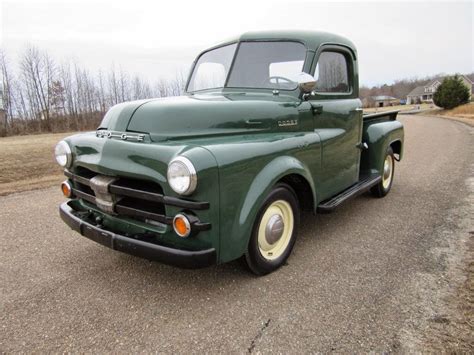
(181, 225)
(66, 189)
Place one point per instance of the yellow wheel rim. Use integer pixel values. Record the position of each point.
(275, 230)
(387, 171)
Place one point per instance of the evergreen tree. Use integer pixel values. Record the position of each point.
(451, 93)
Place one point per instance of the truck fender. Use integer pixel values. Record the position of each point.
(262, 184)
(379, 136)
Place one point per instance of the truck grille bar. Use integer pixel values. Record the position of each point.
(150, 196)
(134, 198)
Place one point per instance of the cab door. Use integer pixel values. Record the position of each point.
(337, 118)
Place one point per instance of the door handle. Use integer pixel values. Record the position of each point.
(317, 109)
(254, 123)
(362, 146)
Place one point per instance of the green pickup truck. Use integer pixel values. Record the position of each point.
(270, 124)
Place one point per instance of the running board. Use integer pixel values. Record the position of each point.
(353, 191)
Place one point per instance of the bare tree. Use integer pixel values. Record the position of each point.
(113, 86)
(38, 71)
(102, 96)
(161, 88)
(124, 87)
(51, 97)
(140, 89)
(7, 90)
(70, 101)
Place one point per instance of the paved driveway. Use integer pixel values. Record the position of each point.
(374, 275)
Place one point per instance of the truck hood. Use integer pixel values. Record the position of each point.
(202, 115)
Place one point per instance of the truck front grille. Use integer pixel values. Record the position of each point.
(137, 199)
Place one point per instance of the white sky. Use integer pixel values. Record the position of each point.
(159, 38)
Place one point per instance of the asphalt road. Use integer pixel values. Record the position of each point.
(374, 275)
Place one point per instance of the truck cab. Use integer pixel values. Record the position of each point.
(270, 123)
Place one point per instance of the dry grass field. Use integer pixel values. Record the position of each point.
(463, 111)
(27, 162)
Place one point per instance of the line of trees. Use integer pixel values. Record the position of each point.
(43, 95)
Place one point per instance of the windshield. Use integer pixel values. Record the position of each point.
(212, 68)
(260, 65)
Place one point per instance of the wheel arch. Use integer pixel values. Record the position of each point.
(287, 169)
(302, 189)
(280, 168)
(397, 147)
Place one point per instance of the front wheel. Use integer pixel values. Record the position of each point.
(274, 231)
(384, 186)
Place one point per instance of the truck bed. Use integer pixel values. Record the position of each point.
(381, 116)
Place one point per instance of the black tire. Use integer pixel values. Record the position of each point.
(256, 262)
(380, 190)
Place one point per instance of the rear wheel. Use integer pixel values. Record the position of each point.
(384, 186)
(274, 231)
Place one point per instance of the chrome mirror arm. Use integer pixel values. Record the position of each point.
(306, 83)
(307, 95)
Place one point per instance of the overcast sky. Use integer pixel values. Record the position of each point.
(159, 38)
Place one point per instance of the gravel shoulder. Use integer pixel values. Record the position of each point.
(377, 275)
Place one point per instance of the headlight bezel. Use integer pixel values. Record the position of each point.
(185, 163)
(67, 153)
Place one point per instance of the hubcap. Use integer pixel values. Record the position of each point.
(387, 171)
(275, 229)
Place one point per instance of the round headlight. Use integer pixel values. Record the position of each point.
(63, 154)
(182, 176)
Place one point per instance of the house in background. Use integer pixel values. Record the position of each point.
(425, 93)
(384, 100)
(380, 101)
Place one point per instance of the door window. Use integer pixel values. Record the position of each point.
(331, 73)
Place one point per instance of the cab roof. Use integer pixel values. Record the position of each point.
(311, 39)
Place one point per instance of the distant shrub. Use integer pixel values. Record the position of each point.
(451, 93)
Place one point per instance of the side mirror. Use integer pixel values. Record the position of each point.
(306, 82)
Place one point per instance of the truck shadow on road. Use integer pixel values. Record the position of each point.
(315, 232)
